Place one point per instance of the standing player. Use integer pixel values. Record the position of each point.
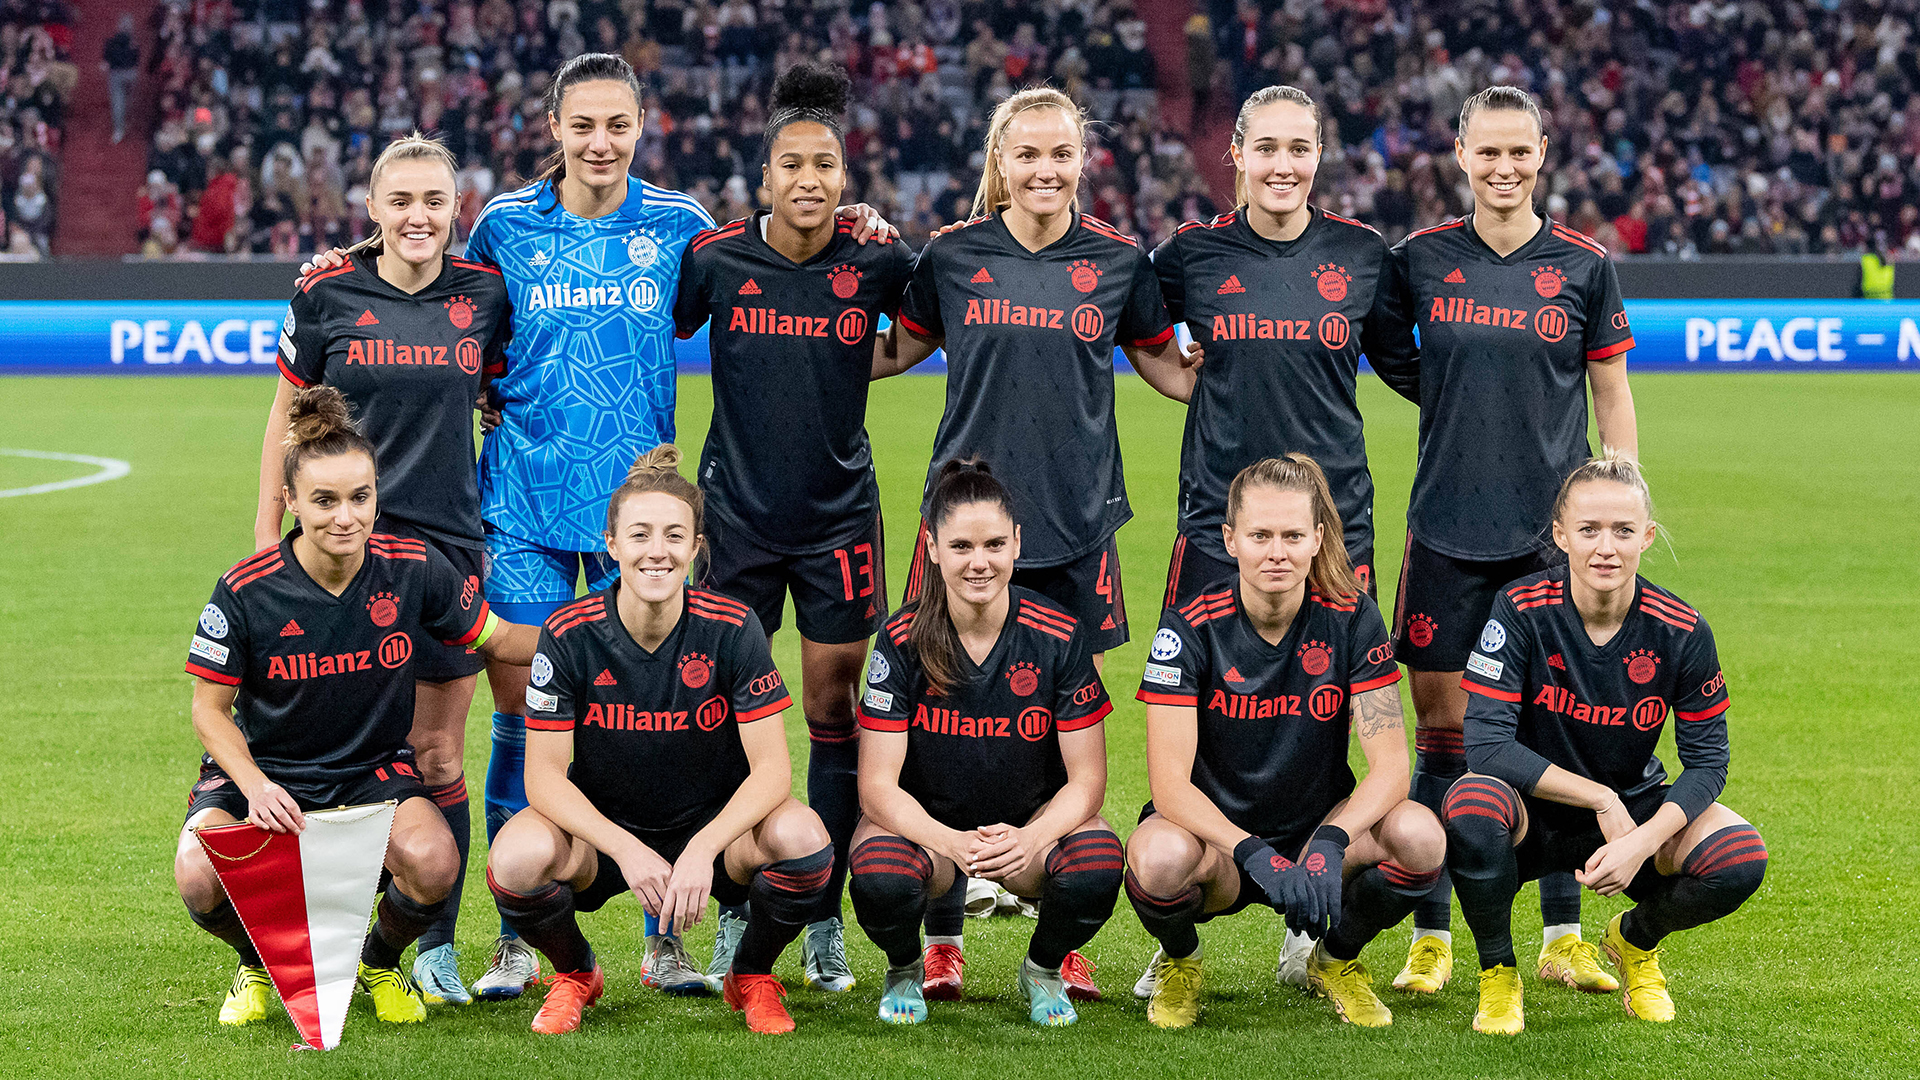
(305, 690)
(407, 334)
(1029, 299)
(1517, 315)
(1284, 297)
(1250, 694)
(657, 765)
(984, 754)
(787, 470)
(1571, 683)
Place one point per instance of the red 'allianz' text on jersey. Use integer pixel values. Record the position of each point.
(656, 742)
(787, 458)
(1541, 692)
(411, 366)
(1029, 337)
(1504, 347)
(1284, 324)
(326, 682)
(1273, 719)
(987, 752)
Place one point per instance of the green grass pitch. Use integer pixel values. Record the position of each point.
(1792, 501)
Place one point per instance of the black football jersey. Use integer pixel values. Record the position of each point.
(1284, 324)
(326, 682)
(1504, 347)
(411, 366)
(1537, 679)
(787, 459)
(655, 745)
(1272, 752)
(1029, 338)
(987, 752)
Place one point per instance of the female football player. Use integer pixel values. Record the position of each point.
(1518, 316)
(305, 691)
(984, 755)
(1569, 685)
(649, 678)
(1251, 689)
(407, 334)
(792, 502)
(1285, 297)
(1029, 299)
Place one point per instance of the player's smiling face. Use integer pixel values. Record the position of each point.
(1604, 529)
(333, 498)
(1501, 151)
(1274, 539)
(975, 549)
(1040, 155)
(413, 203)
(804, 175)
(1279, 155)
(653, 543)
(598, 124)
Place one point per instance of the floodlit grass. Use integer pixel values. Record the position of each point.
(1792, 500)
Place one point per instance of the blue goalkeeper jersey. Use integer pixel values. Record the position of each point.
(589, 377)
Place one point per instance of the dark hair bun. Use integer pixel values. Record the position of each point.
(317, 413)
(814, 88)
(956, 466)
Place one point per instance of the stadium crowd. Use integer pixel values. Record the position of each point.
(1765, 126)
(36, 80)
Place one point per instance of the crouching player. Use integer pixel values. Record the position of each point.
(305, 695)
(1571, 684)
(650, 678)
(1251, 688)
(983, 755)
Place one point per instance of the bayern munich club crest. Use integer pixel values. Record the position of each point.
(642, 251)
(383, 609)
(1085, 274)
(845, 281)
(460, 312)
(1023, 679)
(1642, 666)
(1548, 281)
(695, 670)
(1332, 281)
(1420, 631)
(1314, 658)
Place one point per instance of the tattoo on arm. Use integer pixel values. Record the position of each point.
(1377, 711)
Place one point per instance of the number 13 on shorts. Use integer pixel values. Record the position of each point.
(856, 562)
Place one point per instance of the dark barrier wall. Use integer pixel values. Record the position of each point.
(1726, 278)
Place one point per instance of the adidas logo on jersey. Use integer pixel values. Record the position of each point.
(540, 258)
(1231, 285)
(1554, 661)
(983, 278)
(1233, 675)
(1455, 278)
(605, 678)
(292, 629)
(1109, 624)
(751, 288)
(367, 319)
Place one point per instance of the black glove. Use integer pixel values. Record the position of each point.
(1326, 853)
(1284, 883)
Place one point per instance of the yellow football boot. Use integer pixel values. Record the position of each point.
(1646, 995)
(1429, 966)
(1176, 991)
(249, 998)
(1347, 984)
(1501, 1012)
(395, 997)
(1576, 963)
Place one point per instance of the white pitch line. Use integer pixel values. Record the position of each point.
(110, 469)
